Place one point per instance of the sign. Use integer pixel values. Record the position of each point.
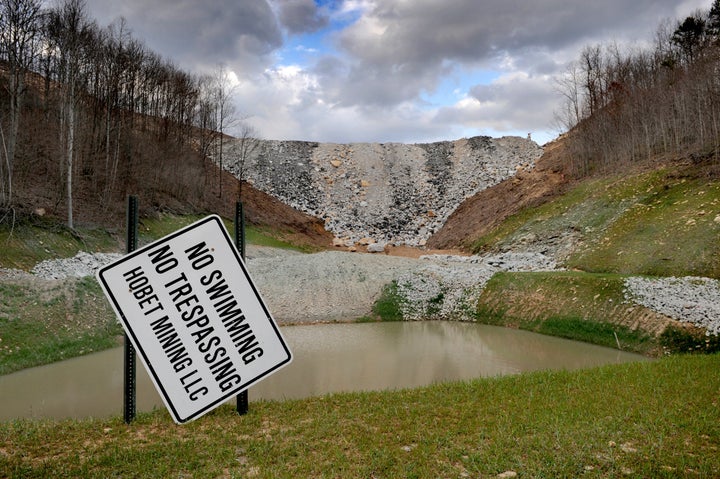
(195, 317)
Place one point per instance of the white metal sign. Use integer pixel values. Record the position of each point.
(195, 317)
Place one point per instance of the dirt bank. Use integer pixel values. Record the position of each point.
(482, 212)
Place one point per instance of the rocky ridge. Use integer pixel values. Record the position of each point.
(383, 193)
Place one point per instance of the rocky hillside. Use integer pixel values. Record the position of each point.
(483, 212)
(384, 193)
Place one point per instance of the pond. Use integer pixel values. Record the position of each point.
(327, 358)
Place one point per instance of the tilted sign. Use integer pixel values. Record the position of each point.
(195, 317)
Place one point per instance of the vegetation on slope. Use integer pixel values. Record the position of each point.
(47, 321)
(639, 105)
(664, 222)
(44, 323)
(36, 239)
(589, 307)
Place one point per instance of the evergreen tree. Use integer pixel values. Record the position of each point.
(688, 36)
(713, 22)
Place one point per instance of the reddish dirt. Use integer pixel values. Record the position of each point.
(479, 214)
(263, 210)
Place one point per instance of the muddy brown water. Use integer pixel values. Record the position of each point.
(327, 358)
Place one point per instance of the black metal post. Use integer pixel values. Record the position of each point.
(129, 406)
(242, 398)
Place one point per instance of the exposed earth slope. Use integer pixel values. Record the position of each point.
(487, 209)
(386, 193)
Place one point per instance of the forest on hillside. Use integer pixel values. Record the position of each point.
(88, 114)
(624, 107)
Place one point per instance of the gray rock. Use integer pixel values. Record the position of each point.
(376, 248)
(396, 193)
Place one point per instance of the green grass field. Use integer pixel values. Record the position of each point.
(658, 419)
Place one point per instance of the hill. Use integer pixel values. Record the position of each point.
(660, 218)
(390, 193)
(487, 209)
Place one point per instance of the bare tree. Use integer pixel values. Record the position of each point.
(635, 104)
(70, 27)
(225, 113)
(568, 85)
(205, 116)
(244, 146)
(592, 69)
(103, 92)
(19, 36)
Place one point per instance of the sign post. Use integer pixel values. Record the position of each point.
(242, 400)
(196, 319)
(129, 407)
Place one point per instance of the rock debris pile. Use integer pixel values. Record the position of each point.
(689, 299)
(86, 264)
(448, 287)
(386, 193)
(333, 285)
(80, 265)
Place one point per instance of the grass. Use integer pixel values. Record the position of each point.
(151, 229)
(654, 419)
(582, 207)
(575, 305)
(40, 324)
(589, 331)
(658, 224)
(672, 231)
(30, 242)
(387, 307)
(43, 322)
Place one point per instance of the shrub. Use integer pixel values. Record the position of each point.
(688, 339)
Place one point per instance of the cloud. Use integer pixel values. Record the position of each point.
(294, 107)
(398, 49)
(399, 31)
(198, 34)
(516, 102)
(301, 16)
(377, 66)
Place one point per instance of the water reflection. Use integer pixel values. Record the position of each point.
(327, 358)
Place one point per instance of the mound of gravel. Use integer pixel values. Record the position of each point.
(391, 193)
(86, 264)
(80, 265)
(337, 286)
(689, 299)
(448, 287)
(326, 286)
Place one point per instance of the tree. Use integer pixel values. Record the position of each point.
(568, 86)
(205, 116)
(688, 36)
(246, 143)
(713, 23)
(70, 28)
(19, 35)
(225, 112)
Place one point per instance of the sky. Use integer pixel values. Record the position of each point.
(410, 71)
